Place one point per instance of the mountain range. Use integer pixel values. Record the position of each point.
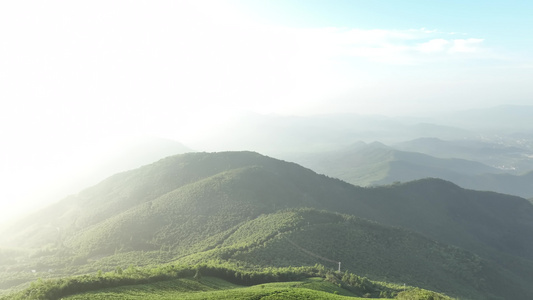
(278, 134)
(377, 164)
(514, 157)
(257, 212)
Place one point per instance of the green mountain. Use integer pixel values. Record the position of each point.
(257, 212)
(512, 155)
(375, 163)
(214, 288)
(384, 253)
(220, 282)
(378, 164)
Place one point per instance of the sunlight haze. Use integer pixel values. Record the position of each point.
(79, 79)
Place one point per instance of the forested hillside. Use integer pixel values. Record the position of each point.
(255, 212)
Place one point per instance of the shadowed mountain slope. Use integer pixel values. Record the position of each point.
(307, 237)
(201, 204)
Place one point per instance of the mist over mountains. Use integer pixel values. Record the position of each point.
(275, 134)
(281, 149)
(47, 179)
(493, 151)
(378, 164)
(502, 141)
(242, 206)
(401, 200)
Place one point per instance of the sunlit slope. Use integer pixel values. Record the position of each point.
(195, 214)
(213, 288)
(200, 204)
(130, 209)
(308, 237)
(216, 281)
(126, 190)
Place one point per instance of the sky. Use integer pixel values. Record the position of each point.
(78, 76)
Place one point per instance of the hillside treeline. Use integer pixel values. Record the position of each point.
(52, 289)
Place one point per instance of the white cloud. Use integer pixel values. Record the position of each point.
(435, 45)
(411, 46)
(423, 29)
(72, 72)
(470, 45)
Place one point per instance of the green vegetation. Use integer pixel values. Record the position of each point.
(249, 212)
(211, 288)
(217, 282)
(383, 253)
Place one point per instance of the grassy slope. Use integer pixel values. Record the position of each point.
(312, 283)
(123, 191)
(163, 281)
(214, 288)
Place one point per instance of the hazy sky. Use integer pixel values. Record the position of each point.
(76, 73)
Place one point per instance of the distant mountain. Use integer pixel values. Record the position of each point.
(254, 210)
(513, 158)
(503, 119)
(275, 134)
(279, 134)
(375, 163)
(519, 185)
(360, 164)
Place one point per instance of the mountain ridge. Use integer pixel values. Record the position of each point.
(189, 205)
(378, 164)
